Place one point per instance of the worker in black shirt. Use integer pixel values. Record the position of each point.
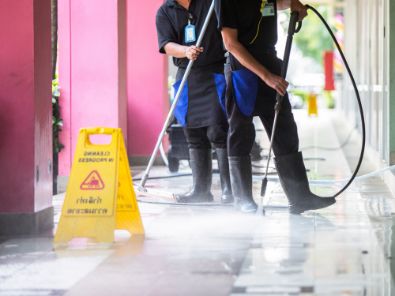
(249, 31)
(200, 108)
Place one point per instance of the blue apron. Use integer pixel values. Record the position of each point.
(181, 109)
(245, 90)
(220, 83)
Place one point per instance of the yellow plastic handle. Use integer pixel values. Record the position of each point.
(100, 131)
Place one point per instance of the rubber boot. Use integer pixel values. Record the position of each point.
(200, 162)
(241, 180)
(223, 166)
(293, 179)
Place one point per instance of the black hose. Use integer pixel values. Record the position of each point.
(191, 205)
(165, 177)
(357, 95)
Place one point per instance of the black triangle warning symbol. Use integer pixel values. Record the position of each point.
(93, 182)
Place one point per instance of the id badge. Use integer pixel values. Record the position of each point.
(190, 33)
(268, 10)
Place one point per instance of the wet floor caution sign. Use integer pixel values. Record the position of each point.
(312, 107)
(100, 196)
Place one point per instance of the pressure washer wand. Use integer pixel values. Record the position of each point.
(176, 99)
(294, 27)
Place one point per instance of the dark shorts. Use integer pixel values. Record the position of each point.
(214, 136)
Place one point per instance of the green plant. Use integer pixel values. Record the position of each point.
(313, 39)
(330, 101)
(57, 122)
(300, 93)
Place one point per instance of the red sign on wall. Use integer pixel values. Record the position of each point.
(329, 71)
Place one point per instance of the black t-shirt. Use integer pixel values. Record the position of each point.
(255, 20)
(171, 20)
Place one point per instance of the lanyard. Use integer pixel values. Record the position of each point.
(190, 18)
(263, 4)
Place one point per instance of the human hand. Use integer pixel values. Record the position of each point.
(279, 84)
(296, 5)
(193, 52)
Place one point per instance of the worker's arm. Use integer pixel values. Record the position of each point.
(295, 5)
(232, 44)
(180, 51)
(168, 39)
(283, 4)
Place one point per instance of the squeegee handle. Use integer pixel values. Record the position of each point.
(176, 99)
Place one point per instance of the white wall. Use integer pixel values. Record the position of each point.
(367, 48)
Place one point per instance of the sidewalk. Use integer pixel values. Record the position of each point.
(342, 250)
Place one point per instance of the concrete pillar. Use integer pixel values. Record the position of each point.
(92, 69)
(392, 81)
(25, 117)
(147, 80)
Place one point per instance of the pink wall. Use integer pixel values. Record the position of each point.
(91, 69)
(25, 104)
(110, 72)
(147, 78)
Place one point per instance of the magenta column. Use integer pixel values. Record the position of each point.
(25, 117)
(146, 80)
(92, 69)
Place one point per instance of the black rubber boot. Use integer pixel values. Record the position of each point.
(293, 179)
(241, 180)
(200, 161)
(223, 166)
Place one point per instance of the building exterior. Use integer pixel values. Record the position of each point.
(111, 74)
(369, 25)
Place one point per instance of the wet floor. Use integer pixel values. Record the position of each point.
(346, 249)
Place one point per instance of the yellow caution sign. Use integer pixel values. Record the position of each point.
(100, 196)
(312, 107)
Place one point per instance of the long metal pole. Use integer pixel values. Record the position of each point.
(284, 69)
(279, 98)
(174, 104)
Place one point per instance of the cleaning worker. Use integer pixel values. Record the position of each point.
(199, 109)
(249, 31)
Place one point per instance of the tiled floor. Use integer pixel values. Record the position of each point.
(346, 249)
